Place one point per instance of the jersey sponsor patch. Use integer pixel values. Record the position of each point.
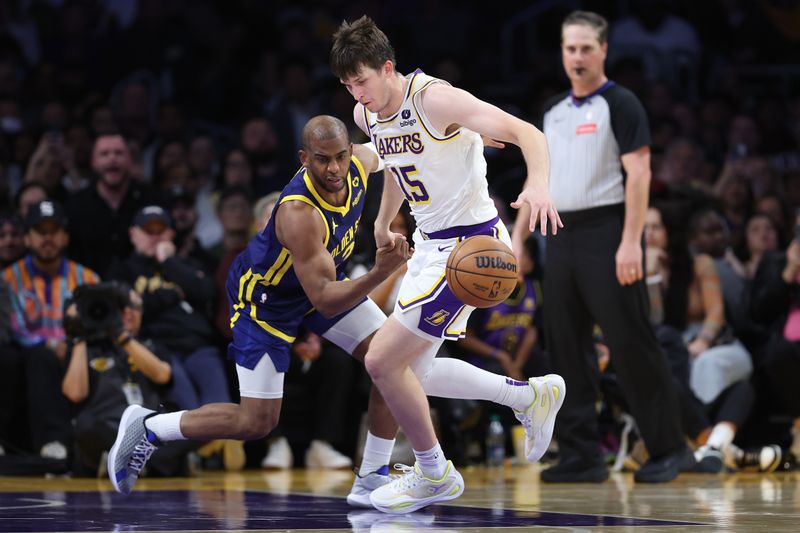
(582, 129)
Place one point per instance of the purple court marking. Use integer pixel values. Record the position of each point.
(218, 510)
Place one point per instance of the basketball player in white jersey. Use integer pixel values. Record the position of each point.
(429, 135)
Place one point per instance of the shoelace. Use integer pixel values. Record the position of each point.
(392, 477)
(526, 419)
(408, 479)
(141, 453)
(525, 416)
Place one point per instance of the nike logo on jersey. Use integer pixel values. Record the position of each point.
(445, 248)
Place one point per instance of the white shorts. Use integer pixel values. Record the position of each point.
(425, 304)
(347, 332)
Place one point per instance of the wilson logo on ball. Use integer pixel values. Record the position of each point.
(483, 261)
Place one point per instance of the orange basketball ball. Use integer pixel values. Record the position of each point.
(481, 271)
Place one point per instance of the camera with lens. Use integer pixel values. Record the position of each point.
(99, 311)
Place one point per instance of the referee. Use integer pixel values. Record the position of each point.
(598, 137)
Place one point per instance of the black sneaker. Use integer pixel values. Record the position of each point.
(666, 467)
(769, 458)
(575, 471)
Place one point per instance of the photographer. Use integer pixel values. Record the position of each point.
(109, 368)
(39, 283)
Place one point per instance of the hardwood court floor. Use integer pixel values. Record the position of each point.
(508, 500)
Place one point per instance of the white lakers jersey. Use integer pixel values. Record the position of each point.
(442, 177)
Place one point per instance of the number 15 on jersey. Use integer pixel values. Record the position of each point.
(413, 189)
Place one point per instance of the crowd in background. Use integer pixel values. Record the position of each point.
(151, 128)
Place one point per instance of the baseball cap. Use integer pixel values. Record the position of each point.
(45, 211)
(151, 215)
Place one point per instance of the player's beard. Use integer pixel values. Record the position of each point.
(331, 187)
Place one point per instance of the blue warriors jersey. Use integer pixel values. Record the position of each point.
(268, 303)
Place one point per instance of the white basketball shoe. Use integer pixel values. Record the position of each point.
(539, 419)
(412, 490)
(364, 485)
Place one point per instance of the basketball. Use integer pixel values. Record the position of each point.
(481, 271)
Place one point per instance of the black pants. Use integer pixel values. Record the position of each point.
(782, 366)
(315, 399)
(693, 414)
(14, 426)
(733, 404)
(581, 290)
(48, 408)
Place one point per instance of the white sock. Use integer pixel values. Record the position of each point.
(166, 427)
(377, 454)
(721, 436)
(432, 462)
(454, 378)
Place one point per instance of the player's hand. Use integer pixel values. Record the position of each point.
(384, 237)
(629, 263)
(388, 258)
(542, 210)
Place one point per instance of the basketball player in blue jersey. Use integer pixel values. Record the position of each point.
(292, 273)
(428, 134)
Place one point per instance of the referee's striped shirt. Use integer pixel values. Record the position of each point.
(586, 137)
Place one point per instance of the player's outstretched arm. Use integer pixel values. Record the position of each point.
(392, 196)
(302, 231)
(391, 200)
(446, 106)
(368, 156)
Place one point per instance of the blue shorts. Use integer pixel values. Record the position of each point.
(251, 342)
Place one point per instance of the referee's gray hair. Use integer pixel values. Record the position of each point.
(588, 18)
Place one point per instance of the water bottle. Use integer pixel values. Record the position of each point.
(495, 442)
